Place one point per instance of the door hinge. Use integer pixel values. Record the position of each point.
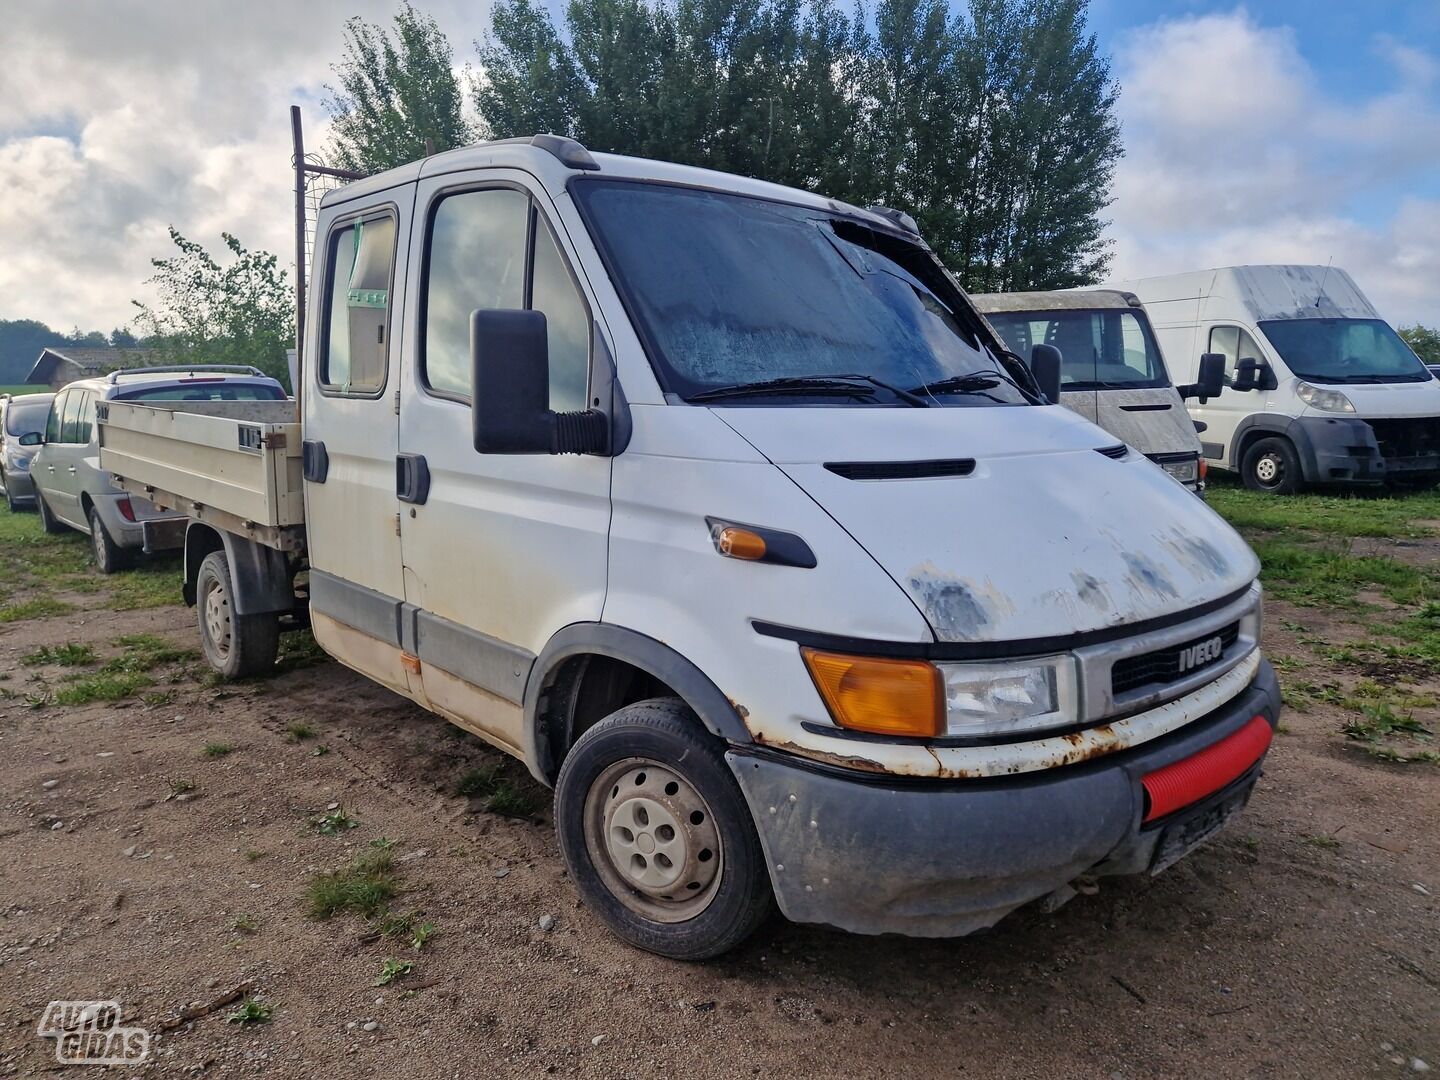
(397, 402)
(397, 524)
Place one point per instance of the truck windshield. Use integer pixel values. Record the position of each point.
(1104, 349)
(1344, 351)
(730, 292)
(23, 418)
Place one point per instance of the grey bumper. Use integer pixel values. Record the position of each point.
(875, 854)
(20, 485)
(1343, 449)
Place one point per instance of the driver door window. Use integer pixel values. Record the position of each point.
(1234, 344)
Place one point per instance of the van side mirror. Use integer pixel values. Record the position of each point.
(31, 438)
(1045, 363)
(1212, 379)
(510, 379)
(1251, 374)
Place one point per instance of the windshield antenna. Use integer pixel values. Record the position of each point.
(1323, 277)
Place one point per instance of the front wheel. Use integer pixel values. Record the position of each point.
(1272, 466)
(657, 836)
(48, 521)
(234, 645)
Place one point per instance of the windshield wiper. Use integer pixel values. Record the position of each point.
(974, 382)
(811, 384)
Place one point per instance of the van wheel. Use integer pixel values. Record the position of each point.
(48, 521)
(10, 503)
(657, 836)
(1272, 466)
(234, 645)
(109, 556)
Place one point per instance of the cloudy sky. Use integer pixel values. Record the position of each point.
(1280, 131)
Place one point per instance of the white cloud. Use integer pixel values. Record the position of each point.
(165, 114)
(1236, 153)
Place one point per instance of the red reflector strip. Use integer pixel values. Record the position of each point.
(1191, 779)
(126, 510)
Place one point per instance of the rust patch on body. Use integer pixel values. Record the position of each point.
(844, 761)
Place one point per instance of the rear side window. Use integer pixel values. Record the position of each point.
(86, 427)
(356, 345)
(491, 248)
(70, 422)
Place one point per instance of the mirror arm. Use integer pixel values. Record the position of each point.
(584, 432)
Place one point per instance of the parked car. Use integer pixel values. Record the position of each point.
(22, 423)
(1321, 390)
(719, 505)
(1112, 371)
(72, 490)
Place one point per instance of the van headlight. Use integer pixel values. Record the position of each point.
(998, 698)
(1324, 400)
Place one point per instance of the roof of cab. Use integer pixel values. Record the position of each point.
(130, 380)
(1061, 300)
(551, 159)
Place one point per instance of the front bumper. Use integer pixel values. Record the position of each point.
(1343, 449)
(20, 485)
(875, 854)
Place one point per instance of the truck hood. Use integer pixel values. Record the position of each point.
(1043, 537)
(1153, 421)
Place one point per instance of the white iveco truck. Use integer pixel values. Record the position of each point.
(718, 505)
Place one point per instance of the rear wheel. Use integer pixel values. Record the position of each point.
(657, 836)
(234, 645)
(109, 556)
(1272, 466)
(48, 521)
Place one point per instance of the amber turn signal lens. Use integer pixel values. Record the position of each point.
(736, 543)
(1204, 468)
(881, 696)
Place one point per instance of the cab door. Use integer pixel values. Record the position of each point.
(351, 416)
(1224, 414)
(500, 550)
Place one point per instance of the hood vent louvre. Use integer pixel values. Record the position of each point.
(1118, 451)
(901, 470)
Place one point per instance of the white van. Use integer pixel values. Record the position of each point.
(1321, 390)
(718, 505)
(1112, 371)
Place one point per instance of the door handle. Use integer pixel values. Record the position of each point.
(71, 470)
(412, 478)
(315, 461)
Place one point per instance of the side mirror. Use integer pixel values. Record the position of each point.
(510, 379)
(1212, 379)
(31, 438)
(1253, 374)
(1045, 366)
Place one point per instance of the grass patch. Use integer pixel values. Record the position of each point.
(1320, 841)
(299, 731)
(180, 787)
(365, 887)
(299, 649)
(501, 794)
(71, 654)
(245, 924)
(34, 561)
(1357, 514)
(334, 823)
(40, 607)
(216, 749)
(146, 652)
(106, 686)
(1316, 575)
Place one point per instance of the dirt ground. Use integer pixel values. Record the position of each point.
(1305, 942)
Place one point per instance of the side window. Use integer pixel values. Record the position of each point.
(567, 322)
(1248, 349)
(70, 423)
(87, 419)
(357, 307)
(492, 249)
(476, 259)
(1225, 340)
(52, 424)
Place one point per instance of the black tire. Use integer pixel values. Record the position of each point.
(1272, 466)
(651, 739)
(234, 645)
(48, 521)
(109, 556)
(10, 503)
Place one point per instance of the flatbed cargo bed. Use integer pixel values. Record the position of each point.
(234, 464)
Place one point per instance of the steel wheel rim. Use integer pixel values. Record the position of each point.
(1270, 469)
(215, 610)
(97, 540)
(653, 840)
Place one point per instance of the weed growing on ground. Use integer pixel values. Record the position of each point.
(365, 887)
(217, 749)
(71, 654)
(251, 1011)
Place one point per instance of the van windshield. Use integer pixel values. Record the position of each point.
(1104, 349)
(24, 417)
(1344, 351)
(730, 292)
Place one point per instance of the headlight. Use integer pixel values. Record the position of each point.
(1005, 697)
(1187, 472)
(20, 464)
(1324, 400)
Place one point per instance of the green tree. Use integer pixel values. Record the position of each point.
(528, 81)
(237, 312)
(1424, 340)
(120, 338)
(394, 93)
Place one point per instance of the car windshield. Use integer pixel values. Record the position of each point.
(1102, 349)
(1344, 350)
(729, 291)
(204, 390)
(25, 417)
